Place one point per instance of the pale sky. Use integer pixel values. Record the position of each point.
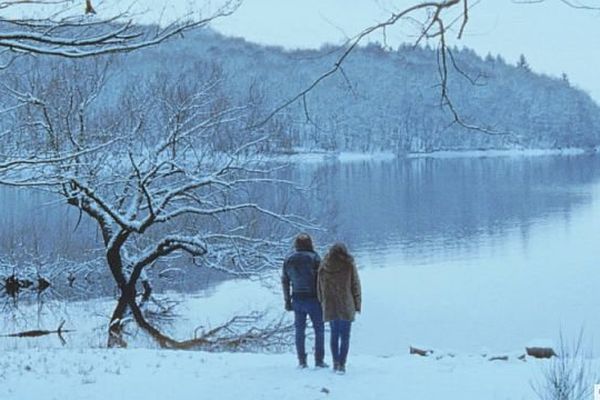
(553, 37)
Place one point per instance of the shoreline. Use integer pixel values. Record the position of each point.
(317, 156)
(157, 374)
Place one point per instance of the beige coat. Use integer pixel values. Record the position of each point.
(338, 288)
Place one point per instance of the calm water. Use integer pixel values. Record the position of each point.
(425, 210)
(478, 248)
(429, 210)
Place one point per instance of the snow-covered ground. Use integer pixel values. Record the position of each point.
(379, 365)
(154, 374)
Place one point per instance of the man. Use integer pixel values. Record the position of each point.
(300, 271)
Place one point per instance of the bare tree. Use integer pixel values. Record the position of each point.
(435, 20)
(154, 173)
(66, 32)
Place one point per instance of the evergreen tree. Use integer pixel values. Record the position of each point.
(523, 64)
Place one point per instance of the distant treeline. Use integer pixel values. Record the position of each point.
(385, 100)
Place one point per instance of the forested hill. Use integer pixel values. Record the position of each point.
(386, 100)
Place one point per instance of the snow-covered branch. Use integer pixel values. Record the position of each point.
(193, 245)
(36, 161)
(178, 177)
(69, 33)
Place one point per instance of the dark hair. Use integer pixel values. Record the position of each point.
(303, 242)
(339, 252)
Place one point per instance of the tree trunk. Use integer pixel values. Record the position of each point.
(115, 263)
(115, 328)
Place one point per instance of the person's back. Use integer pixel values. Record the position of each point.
(340, 296)
(339, 287)
(300, 270)
(299, 281)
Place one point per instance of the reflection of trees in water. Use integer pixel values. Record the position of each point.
(405, 203)
(452, 202)
(34, 223)
(408, 204)
(70, 277)
(316, 200)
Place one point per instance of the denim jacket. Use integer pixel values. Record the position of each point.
(300, 271)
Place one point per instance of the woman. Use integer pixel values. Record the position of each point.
(338, 288)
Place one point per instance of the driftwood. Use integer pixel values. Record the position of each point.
(498, 358)
(540, 352)
(38, 332)
(420, 352)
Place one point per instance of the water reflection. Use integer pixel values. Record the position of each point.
(432, 208)
(34, 223)
(426, 209)
(514, 236)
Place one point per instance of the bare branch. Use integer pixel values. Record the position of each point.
(35, 161)
(437, 7)
(73, 38)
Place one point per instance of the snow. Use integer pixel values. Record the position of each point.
(153, 374)
(306, 156)
(542, 343)
(466, 311)
(379, 365)
(517, 152)
(463, 312)
(347, 156)
(303, 156)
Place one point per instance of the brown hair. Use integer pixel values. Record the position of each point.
(303, 242)
(339, 252)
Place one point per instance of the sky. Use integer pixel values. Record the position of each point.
(553, 37)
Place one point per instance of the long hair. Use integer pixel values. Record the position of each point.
(303, 242)
(339, 252)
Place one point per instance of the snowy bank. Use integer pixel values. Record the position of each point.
(312, 156)
(154, 374)
(501, 153)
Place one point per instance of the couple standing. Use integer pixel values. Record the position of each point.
(327, 290)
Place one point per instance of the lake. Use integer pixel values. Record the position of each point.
(454, 253)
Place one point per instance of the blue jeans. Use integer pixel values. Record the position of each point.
(340, 340)
(312, 308)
